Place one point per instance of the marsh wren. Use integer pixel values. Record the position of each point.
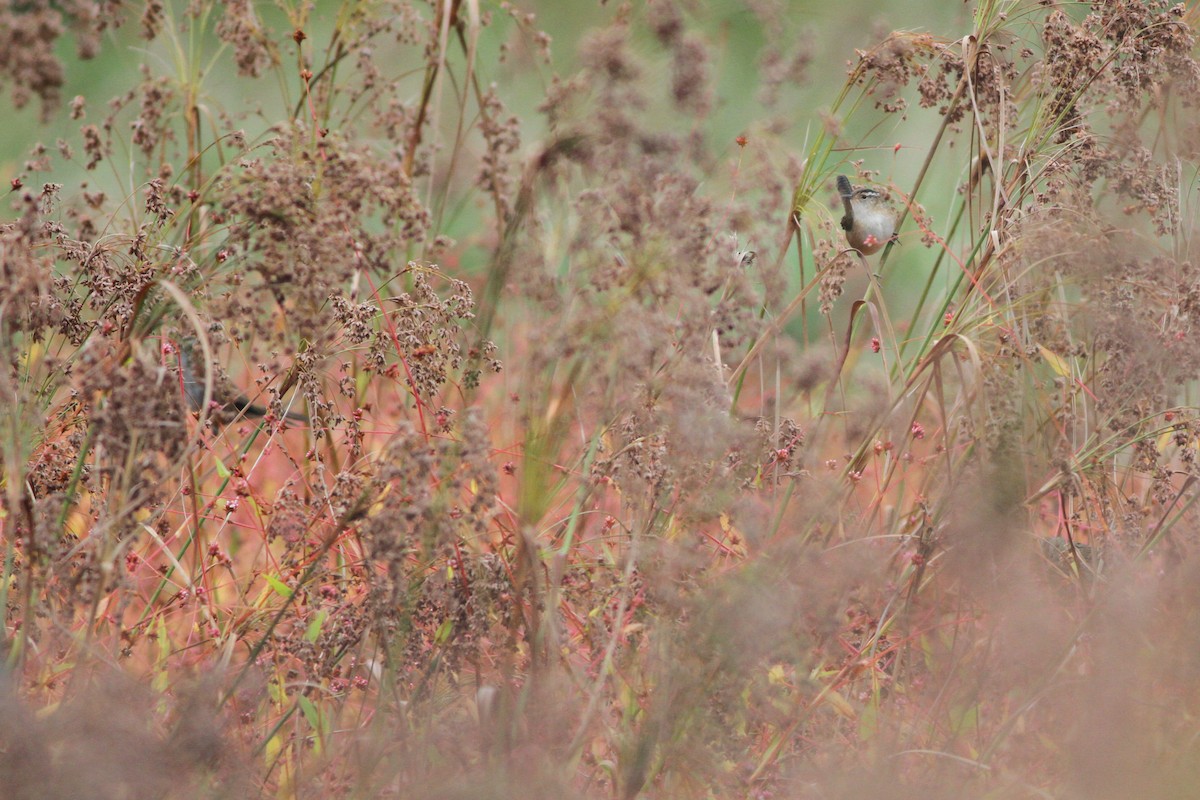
(870, 222)
(227, 403)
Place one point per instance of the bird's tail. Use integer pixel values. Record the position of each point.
(844, 187)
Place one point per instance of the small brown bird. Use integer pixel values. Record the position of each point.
(870, 222)
(227, 404)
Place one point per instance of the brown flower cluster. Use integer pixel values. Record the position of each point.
(299, 222)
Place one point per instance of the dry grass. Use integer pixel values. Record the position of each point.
(586, 461)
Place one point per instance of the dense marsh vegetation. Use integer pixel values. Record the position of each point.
(590, 462)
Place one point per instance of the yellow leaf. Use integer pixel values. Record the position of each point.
(279, 586)
(840, 704)
(868, 722)
(314, 627)
(271, 751)
(1057, 364)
